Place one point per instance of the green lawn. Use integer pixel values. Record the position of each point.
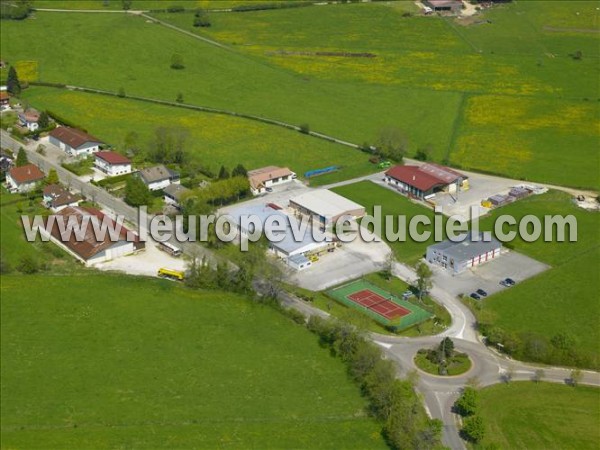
(369, 194)
(67, 49)
(115, 361)
(540, 416)
(564, 298)
(213, 140)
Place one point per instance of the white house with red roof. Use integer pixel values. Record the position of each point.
(74, 142)
(24, 178)
(112, 163)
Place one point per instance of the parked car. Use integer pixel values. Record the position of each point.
(481, 292)
(269, 189)
(475, 296)
(507, 282)
(407, 294)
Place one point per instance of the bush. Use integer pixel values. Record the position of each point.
(466, 405)
(28, 265)
(304, 128)
(473, 428)
(295, 315)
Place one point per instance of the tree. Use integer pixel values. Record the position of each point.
(121, 92)
(576, 377)
(52, 177)
(392, 143)
(179, 98)
(474, 428)
(223, 173)
(424, 153)
(466, 404)
(305, 128)
(131, 141)
(239, 171)
(126, 5)
(16, 9)
(22, 158)
(44, 120)
(446, 347)
(201, 18)
(136, 192)
(177, 62)
(424, 275)
(13, 85)
(28, 265)
(386, 270)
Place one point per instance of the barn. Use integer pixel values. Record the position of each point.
(74, 142)
(425, 180)
(325, 207)
(467, 252)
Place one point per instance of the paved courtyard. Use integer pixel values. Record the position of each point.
(488, 276)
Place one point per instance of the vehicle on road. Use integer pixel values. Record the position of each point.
(475, 296)
(481, 292)
(269, 189)
(407, 294)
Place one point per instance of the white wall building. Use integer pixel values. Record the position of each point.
(74, 142)
(112, 163)
(267, 177)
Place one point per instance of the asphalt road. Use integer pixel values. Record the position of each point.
(439, 393)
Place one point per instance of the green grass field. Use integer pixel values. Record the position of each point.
(540, 416)
(220, 78)
(214, 140)
(114, 361)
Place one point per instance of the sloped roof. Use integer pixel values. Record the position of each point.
(26, 174)
(258, 177)
(156, 173)
(175, 191)
(60, 196)
(424, 177)
(89, 246)
(73, 137)
(470, 246)
(112, 157)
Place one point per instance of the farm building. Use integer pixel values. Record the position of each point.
(325, 207)
(158, 177)
(58, 198)
(29, 119)
(91, 250)
(112, 163)
(453, 6)
(469, 252)
(24, 178)
(173, 194)
(425, 180)
(261, 179)
(74, 142)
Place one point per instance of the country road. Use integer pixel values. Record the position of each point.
(439, 393)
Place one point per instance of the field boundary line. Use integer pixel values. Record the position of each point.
(455, 127)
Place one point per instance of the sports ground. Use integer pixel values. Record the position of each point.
(379, 304)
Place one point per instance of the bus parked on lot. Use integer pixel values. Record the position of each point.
(169, 248)
(171, 274)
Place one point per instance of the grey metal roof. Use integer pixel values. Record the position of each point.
(468, 248)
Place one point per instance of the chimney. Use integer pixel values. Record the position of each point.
(414, 177)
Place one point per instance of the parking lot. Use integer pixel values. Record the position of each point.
(488, 276)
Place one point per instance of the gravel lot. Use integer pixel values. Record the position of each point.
(146, 262)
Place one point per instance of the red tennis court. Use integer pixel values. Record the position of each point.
(378, 304)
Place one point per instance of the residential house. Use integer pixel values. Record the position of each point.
(24, 178)
(58, 198)
(74, 142)
(158, 177)
(174, 193)
(112, 163)
(89, 248)
(266, 177)
(29, 119)
(4, 99)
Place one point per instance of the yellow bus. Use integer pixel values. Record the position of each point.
(171, 274)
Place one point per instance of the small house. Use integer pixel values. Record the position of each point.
(112, 163)
(24, 178)
(57, 198)
(29, 119)
(158, 177)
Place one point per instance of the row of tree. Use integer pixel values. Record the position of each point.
(15, 9)
(393, 401)
(473, 428)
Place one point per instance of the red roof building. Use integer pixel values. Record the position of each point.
(24, 178)
(112, 163)
(422, 181)
(73, 141)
